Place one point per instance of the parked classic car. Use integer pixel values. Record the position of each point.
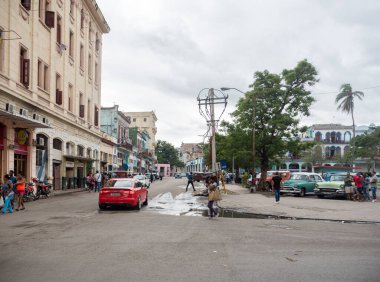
(333, 188)
(285, 175)
(123, 191)
(301, 183)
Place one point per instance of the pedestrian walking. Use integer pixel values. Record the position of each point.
(348, 187)
(373, 184)
(213, 195)
(90, 181)
(190, 181)
(13, 178)
(20, 190)
(8, 194)
(358, 179)
(98, 181)
(277, 184)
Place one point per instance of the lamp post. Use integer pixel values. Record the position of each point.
(253, 127)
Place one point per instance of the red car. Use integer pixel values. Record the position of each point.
(123, 192)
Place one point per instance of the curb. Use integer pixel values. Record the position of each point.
(66, 192)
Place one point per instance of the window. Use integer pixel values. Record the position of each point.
(59, 29)
(82, 19)
(2, 47)
(39, 157)
(24, 67)
(134, 119)
(57, 144)
(81, 106)
(89, 32)
(80, 151)
(43, 75)
(44, 14)
(58, 90)
(97, 42)
(96, 116)
(71, 44)
(88, 110)
(81, 59)
(72, 6)
(96, 73)
(90, 66)
(25, 4)
(70, 99)
(144, 119)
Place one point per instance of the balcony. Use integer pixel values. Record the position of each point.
(125, 143)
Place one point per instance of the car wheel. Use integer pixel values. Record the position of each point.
(303, 192)
(138, 206)
(102, 206)
(320, 196)
(146, 200)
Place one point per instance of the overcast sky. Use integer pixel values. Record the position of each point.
(161, 53)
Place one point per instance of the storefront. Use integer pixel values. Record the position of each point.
(21, 142)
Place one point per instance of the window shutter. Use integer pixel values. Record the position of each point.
(81, 111)
(58, 97)
(49, 18)
(25, 71)
(96, 116)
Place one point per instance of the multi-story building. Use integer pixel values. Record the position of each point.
(146, 121)
(191, 154)
(50, 88)
(143, 158)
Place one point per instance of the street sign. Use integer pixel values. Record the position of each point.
(223, 164)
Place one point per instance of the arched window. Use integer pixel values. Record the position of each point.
(338, 137)
(333, 137)
(332, 151)
(57, 144)
(327, 152)
(318, 136)
(283, 166)
(328, 137)
(80, 152)
(294, 167)
(347, 136)
(338, 151)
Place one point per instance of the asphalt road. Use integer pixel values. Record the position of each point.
(66, 238)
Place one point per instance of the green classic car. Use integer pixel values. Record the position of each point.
(332, 188)
(301, 183)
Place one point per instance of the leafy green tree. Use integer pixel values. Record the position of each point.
(368, 146)
(345, 101)
(281, 100)
(167, 154)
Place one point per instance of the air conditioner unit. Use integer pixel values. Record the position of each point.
(36, 117)
(40, 141)
(10, 107)
(24, 112)
(45, 120)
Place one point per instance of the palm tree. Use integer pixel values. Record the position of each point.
(345, 98)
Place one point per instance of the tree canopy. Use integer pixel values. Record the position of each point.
(281, 100)
(167, 154)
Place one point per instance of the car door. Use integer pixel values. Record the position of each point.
(311, 184)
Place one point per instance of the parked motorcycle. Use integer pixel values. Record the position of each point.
(30, 194)
(42, 188)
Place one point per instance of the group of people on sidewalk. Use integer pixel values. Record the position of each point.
(12, 190)
(95, 181)
(357, 187)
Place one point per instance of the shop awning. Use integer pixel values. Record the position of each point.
(22, 121)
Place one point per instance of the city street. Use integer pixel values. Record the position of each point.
(66, 238)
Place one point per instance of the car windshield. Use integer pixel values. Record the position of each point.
(337, 177)
(298, 177)
(140, 177)
(123, 184)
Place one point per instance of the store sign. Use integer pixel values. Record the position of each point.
(22, 137)
(69, 164)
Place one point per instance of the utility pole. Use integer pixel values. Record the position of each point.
(207, 110)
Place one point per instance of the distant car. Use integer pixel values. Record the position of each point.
(301, 183)
(333, 188)
(123, 192)
(178, 175)
(285, 175)
(143, 179)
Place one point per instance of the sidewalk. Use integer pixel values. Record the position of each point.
(66, 191)
(241, 200)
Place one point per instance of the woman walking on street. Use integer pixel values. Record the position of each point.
(20, 190)
(8, 194)
(213, 195)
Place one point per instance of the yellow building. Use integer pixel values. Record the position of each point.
(50, 88)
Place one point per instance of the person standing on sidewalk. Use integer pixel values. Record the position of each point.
(373, 183)
(20, 188)
(358, 179)
(98, 179)
(348, 188)
(190, 181)
(8, 194)
(276, 184)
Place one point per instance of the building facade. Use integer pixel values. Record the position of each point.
(50, 89)
(146, 121)
(191, 154)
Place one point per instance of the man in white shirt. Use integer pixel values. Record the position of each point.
(98, 181)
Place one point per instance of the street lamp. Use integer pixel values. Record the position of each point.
(254, 125)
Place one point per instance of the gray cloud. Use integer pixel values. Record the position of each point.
(160, 54)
